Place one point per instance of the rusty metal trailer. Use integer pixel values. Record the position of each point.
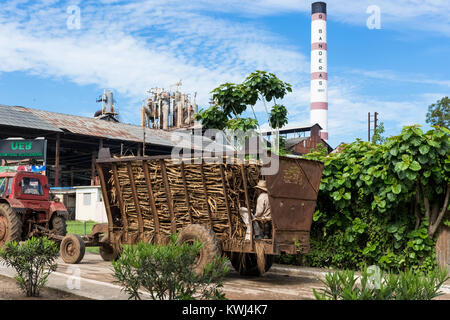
(148, 198)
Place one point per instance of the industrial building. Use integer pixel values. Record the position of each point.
(73, 141)
(302, 139)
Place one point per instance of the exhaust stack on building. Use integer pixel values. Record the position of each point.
(319, 73)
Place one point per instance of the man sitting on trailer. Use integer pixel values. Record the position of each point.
(262, 213)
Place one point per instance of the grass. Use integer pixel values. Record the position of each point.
(78, 227)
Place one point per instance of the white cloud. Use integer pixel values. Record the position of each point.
(132, 47)
(113, 52)
(400, 77)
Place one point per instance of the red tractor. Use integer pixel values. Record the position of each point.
(27, 209)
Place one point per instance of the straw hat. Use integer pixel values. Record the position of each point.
(262, 185)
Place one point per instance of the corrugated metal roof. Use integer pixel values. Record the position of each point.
(21, 117)
(286, 130)
(289, 143)
(58, 122)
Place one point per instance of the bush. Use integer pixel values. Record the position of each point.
(165, 272)
(407, 285)
(382, 203)
(33, 261)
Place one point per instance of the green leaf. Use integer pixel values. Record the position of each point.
(396, 189)
(411, 175)
(423, 159)
(391, 196)
(392, 229)
(424, 149)
(415, 166)
(393, 151)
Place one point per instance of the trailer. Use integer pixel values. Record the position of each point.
(149, 198)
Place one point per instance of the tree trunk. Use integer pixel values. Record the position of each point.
(434, 226)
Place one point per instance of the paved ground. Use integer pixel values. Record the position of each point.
(93, 279)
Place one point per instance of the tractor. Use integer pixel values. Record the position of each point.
(27, 209)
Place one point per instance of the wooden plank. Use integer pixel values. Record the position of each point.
(106, 200)
(188, 202)
(225, 194)
(121, 203)
(247, 202)
(136, 200)
(93, 156)
(205, 189)
(58, 141)
(152, 200)
(173, 226)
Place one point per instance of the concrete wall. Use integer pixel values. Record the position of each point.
(90, 205)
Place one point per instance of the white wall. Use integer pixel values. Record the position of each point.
(89, 204)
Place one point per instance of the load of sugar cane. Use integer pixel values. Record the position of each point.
(196, 195)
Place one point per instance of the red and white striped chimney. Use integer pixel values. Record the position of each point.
(319, 75)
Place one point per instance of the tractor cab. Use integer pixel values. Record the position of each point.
(24, 185)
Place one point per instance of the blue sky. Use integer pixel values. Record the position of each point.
(132, 46)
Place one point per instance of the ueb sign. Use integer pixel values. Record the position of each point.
(18, 149)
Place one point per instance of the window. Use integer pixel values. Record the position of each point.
(10, 182)
(2, 186)
(86, 199)
(31, 186)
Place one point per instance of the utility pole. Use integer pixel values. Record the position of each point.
(375, 123)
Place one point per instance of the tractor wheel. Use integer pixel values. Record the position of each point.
(10, 225)
(58, 225)
(107, 251)
(211, 246)
(247, 264)
(72, 249)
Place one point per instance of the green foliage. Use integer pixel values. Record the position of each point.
(439, 113)
(377, 137)
(33, 261)
(374, 202)
(212, 117)
(165, 272)
(231, 100)
(408, 285)
(242, 124)
(267, 85)
(278, 116)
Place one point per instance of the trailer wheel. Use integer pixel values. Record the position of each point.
(211, 246)
(58, 225)
(10, 225)
(72, 249)
(247, 264)
(107, 251)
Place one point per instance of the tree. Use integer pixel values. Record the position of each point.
(231, 100)
(439, 113)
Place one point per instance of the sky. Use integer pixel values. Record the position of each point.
(60, 55)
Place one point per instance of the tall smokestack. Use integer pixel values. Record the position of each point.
(319, 73)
